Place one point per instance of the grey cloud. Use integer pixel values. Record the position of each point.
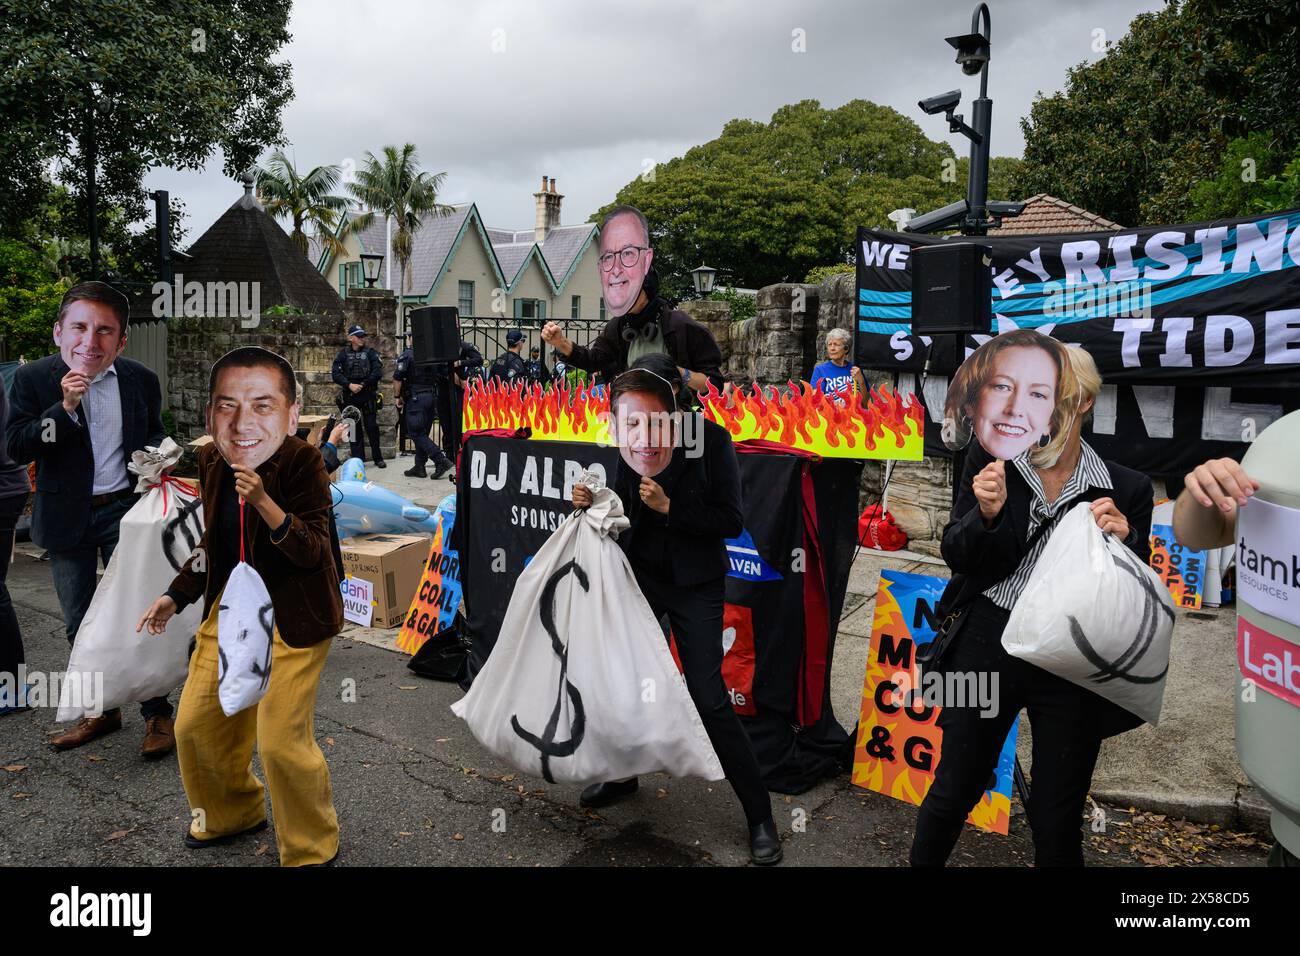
(586, 91)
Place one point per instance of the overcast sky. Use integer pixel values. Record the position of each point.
(496, 94)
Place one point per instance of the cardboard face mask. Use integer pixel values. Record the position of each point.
(1005, 398)
(249, 415)
(623, 242)
(645, 432)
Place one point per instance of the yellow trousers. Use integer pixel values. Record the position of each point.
(216, 753)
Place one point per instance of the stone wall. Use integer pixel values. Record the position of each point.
(308, 342)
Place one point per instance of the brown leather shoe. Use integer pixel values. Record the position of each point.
(87, 729)
(159, 737)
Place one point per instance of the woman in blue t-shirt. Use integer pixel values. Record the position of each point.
(836, 377)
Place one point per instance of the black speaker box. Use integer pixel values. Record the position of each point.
(435, 333)
(952, 288)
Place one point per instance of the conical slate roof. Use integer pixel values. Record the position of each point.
(247, 245)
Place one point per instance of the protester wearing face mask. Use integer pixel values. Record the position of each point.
(642, 323)
(683, 505)
(992, 544)
(80, 415)
(266, 502)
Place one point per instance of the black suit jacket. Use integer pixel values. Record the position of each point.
(704, 508)
(65, 467)
(982, 556)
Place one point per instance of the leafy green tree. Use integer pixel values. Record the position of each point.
(59, 232)
(1131, 133)
(29, 301)
(767, 202)
(303, 200)
(743, 305)
(1247, 53)
(395, 187)
(1256, 177)
(1135, 135)
(161, 84)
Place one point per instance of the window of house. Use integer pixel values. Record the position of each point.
(530, 311)
(353, 277)
(465, 297)
(575, 307)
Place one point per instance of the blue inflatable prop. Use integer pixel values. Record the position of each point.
(363, 507)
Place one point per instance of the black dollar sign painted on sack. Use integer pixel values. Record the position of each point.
(268, 628)
(1149, 626)
(186, 525)
(546, 744)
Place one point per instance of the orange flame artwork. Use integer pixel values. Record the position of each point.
(884, 426)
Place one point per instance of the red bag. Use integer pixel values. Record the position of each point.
(876, 529)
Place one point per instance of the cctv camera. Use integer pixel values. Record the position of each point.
(943, 103)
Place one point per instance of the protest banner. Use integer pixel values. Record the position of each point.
(899, 742)
(438, 595)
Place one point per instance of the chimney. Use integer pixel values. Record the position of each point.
(540, 222)
(548, 210)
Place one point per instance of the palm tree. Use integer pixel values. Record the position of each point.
(306, 200)
(395, 188)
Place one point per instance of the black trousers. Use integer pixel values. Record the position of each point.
(1065, 747)
(419, 419)
(11, 638)
(695, 615)
(449, 399)
(365, 403)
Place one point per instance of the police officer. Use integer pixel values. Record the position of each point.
(357, 371)
(451, 394)
(416, 387)
(510, 366)
(537, 370)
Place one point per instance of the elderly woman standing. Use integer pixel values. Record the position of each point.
(992, 544)
(836, 376)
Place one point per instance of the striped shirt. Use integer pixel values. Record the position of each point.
(102, 404)
(1090, 472)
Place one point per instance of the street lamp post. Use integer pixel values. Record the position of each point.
(702, 276)
(370, 264)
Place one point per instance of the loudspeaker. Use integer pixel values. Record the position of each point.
(435, 333)
(952, 288)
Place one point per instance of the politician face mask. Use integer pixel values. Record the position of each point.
(624, 262)
(249, 415)
(1005, 398)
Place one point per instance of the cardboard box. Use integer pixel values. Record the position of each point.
(315, 425)
(393, 564)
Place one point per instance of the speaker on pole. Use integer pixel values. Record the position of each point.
(952, 288)
(435, 333)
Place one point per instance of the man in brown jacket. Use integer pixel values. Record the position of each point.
(266, 501)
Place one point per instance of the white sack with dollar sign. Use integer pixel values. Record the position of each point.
(581, 686)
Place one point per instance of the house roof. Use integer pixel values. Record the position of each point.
(508, 249)
(247, 245)
(1046, 214)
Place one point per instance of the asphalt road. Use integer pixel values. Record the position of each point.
(412, 787)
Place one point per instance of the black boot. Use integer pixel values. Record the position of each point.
(603, 794)
(416, 472)
(380, 464)
(441, 469)
(764, 844)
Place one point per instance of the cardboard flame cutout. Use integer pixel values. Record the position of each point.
(887, 426)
